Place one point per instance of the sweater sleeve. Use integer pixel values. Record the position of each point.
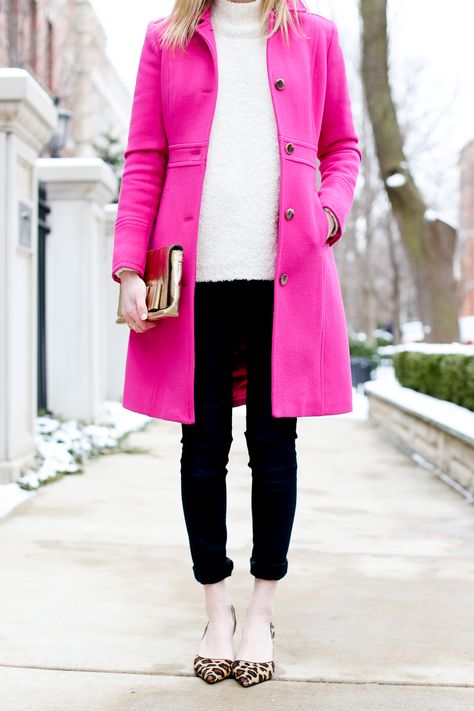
(123, 269)
(338, 144)
(144, 169)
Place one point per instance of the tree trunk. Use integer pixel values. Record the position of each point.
(430, 244)
(396, 311)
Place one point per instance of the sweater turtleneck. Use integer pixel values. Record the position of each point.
(236, 19)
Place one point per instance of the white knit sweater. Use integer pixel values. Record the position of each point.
(239, 206)
(237, 231)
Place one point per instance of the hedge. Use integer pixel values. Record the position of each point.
(447, 376)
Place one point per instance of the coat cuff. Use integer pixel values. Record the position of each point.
(118, 267)
(338, 199)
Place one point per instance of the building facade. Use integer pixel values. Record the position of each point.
(63, 45)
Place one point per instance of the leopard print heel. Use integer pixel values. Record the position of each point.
(214, 670)
(250, 673)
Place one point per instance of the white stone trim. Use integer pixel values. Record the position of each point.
(25, 107)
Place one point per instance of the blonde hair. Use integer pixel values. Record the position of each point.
(182, 20)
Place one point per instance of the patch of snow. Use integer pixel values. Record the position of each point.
(396, 180)
(385, 371)
(120, 420)
(10, 496)
(381, 333)
(466, 327)
(64, 447)
(448, 348)
(412, 331)
(432, 215)
(448, 415)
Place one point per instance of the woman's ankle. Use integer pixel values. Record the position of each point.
(260, 604)
(217, 600)
(217, 640)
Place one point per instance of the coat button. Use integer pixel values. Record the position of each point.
(289, 148)
(280, 83)
(283, 279)
(289, 213)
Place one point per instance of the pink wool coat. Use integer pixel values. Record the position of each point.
(159, 203)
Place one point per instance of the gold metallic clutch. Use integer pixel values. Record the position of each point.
(163, 271)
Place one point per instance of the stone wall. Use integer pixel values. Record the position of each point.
(450, 451)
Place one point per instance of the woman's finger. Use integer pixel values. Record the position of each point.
(139, 309)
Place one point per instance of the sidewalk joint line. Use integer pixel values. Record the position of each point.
(352, 682)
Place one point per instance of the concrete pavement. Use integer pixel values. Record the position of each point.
(100, 611)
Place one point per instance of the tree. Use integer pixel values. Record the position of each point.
(429, 241)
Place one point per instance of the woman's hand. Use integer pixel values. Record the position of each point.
(134, 308)
(332, 223)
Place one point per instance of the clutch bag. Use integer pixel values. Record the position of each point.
(163, 272)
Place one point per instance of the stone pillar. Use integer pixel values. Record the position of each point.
(27, 118)
(116, 334)
(76, 291)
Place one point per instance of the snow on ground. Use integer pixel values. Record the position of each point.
(10, 496)
(65, 446)
(447, 414)
(448, 348)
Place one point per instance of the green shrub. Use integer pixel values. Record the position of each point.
(447, 376)
(362, 349)
(381, 341)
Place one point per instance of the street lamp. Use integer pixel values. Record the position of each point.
(59, 136)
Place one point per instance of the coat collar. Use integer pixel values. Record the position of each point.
(206, 13)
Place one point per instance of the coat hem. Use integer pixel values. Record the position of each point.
(343, 409)
(156, 414)
(150, 412)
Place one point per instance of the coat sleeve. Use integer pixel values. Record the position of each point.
(338, 144)
(144, 169)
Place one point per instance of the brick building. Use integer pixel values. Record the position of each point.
(63, 45)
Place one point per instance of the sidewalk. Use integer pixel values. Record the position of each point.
(100, 611)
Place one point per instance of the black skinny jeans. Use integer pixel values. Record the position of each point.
(221, 307)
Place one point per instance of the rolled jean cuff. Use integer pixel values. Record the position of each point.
(207, 576)
(268, 571)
